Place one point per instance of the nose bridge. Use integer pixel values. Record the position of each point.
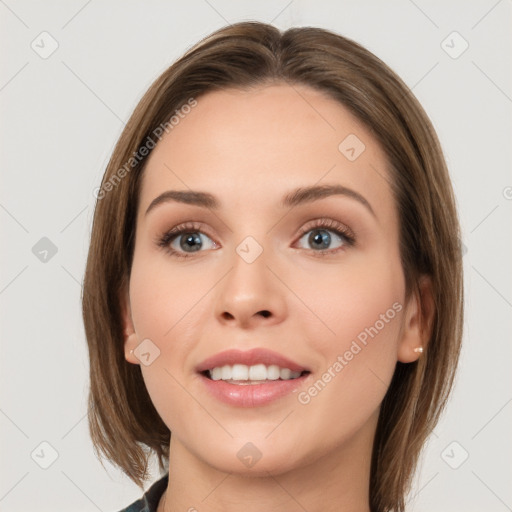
(250, 291)
(249, 266)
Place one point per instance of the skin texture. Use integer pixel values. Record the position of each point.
(249, 149)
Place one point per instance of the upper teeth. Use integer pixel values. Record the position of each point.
(256, 372)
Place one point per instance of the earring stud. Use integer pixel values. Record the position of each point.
(418, 350)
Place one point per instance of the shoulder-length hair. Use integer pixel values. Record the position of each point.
(123, 422)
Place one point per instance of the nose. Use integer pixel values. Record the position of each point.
(250, 295)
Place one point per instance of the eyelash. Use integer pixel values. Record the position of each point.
(340, 230)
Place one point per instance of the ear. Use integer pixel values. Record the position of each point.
(418, 320)
(130, 337)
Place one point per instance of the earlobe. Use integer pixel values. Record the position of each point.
(418, 319)
(130, 344)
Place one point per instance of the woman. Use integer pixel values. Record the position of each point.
(275, 278)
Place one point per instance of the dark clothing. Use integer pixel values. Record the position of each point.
(150, 499)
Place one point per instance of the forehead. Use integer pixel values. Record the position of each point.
(249, 147)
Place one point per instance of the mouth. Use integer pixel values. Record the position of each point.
(251, 378)
(242, 374)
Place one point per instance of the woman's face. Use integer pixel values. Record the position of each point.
(290, 257)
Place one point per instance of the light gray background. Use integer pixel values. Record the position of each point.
(60, 117)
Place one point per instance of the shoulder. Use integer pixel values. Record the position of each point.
(150, 499)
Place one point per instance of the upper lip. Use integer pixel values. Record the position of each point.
(249, 358)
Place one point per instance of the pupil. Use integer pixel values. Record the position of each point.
(323, 240)
(189, 240)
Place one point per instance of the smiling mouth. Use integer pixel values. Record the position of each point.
(241, 374)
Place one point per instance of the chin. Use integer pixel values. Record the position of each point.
(247, 458)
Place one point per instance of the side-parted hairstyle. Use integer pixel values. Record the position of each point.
(123, 422)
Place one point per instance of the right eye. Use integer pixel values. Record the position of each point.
(184, 240)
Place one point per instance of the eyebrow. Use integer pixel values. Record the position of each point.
(294, 198)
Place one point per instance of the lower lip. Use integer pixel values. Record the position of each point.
(252, 395)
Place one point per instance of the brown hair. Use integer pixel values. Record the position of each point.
(123, 422)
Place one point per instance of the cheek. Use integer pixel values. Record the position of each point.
(163, 296)
(168, 308)
(348, 300)
(361, 312)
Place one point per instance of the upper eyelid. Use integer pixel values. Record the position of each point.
(325, 223)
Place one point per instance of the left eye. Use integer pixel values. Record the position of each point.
(321, 238)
